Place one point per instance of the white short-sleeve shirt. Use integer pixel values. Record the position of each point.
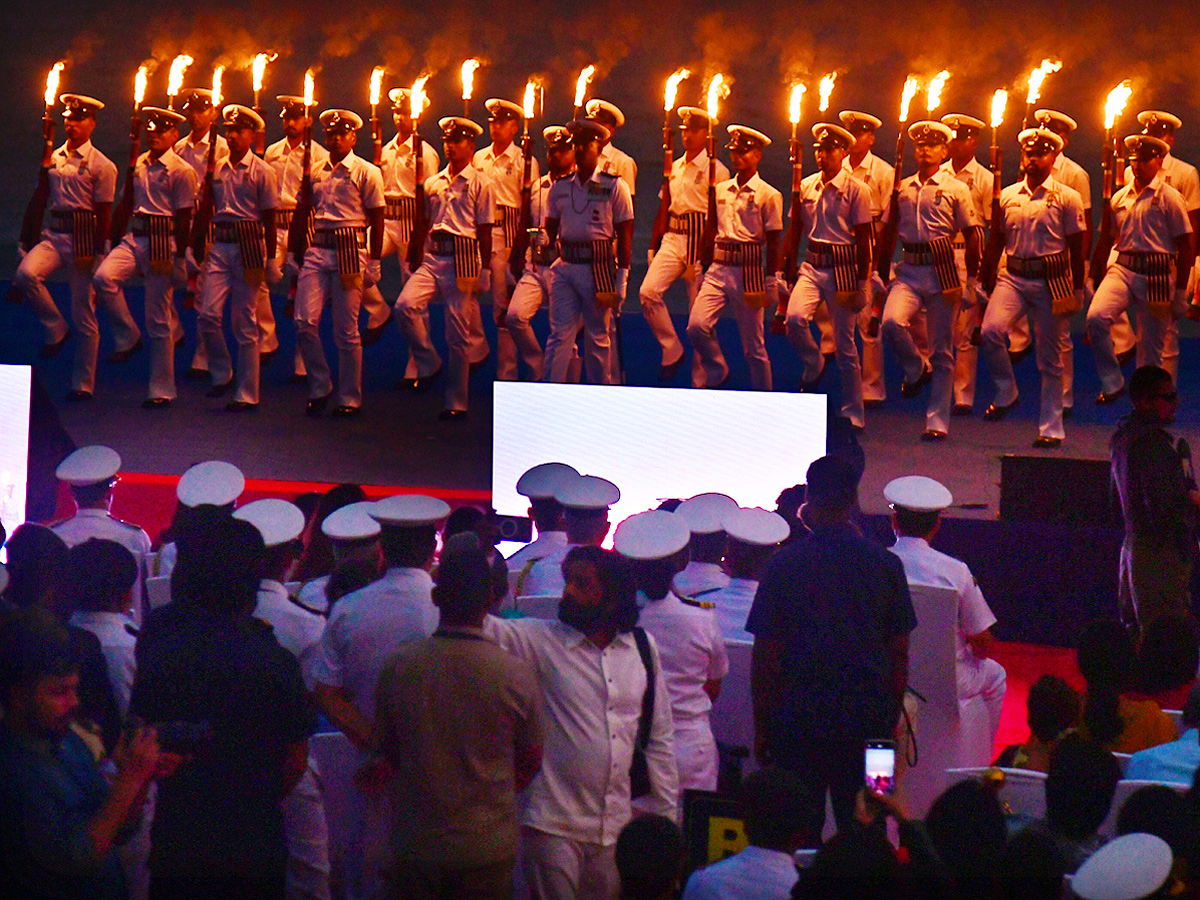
(980, 182)
(831, 210)
(1038, 222)
(938, 208)
(689, 183)
(692, 650)
(81, 178)
(243, 190)
(343, 193)
(879, 178)
(288, 163)
(1149, 221)
(590, 210)
(164, 185)
(460, 203)
(398, 164)
(747, 212)
(507, 172)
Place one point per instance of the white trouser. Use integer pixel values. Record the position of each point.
(966, 354)
(1120, 289)
(826, 328)
(915, 288)
(1013, 297)
(722, 285)
(669, 264)
(436, 277)
(502, 285)
(132, 257)
(560, 868)
(987, 679)
(57, 250)
(393, 244)
(1018, 340)
(527, 298)
(319, 281)
(873, 385)
(225, 277)
(695, 754)
(572, 301)
(307, 838)
(281, 255)
(813, 286)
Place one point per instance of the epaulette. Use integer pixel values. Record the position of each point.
(132, 629)
(304, 606)
(697, 602)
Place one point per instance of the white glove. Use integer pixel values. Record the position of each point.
(485, 280)
(274, 273)
(649, 256)
(191, 260)
(179, 276)
(371, 273)
(863, 299)
(877, 285)
(1180, 307)
(622, 283)
(968, 291)
(290, 265)
(771, 286)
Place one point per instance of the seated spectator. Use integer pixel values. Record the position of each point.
(60, 819)
(1032, 867)
(96, 597)
(787, 506)
(1161, 811)
(1052, 711)
(354, 537)
(772, 800)
(649, 858)
(855, 864)
(1167, 659)
(317, 558)
(1176, 761)
(36, 556)
(1117, 723)
(966, 827)
(1132, 867)
(473, 520)
(1079, 790)
(754, 536)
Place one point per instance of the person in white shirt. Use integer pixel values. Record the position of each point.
(678, 235)
(354, 539)
(690, 644)
(916, 503)
(754, 536)
(703, 514)
(766, 869)
(613, 161)
(595, 681)
(539, 484)
(585, 500)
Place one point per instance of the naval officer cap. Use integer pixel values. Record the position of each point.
(857, 122)
(917, 493)
(651, 535)
(196, 99)
(540, 482)
(503, 110)
(340, 121)
(704, 512)
(1157, 122)
(401, 100)
(409, 511)
(1131, 867)
(606, 112)
(1058, 122)
(962, 125)
(278, 521)
(929, 132)
(693, 117)
(584, 131)
(587, 492)
(291, 106)
(1040, 140)
(1146, 146)
(558, 137)
(743, 139)
(826, 135)
(759, 527)
(214, 483)
(352, 522)
(80, 106)
(94, 464)
(159, 119)
(237, 116)
(459, 128)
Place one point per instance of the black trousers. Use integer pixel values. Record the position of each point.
(833, 765)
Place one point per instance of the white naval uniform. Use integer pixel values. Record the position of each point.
(586, 212)
(1036, 224)
(980, 182)
(525, 558)
(545, 578)
(118, 639)
(984, 678)
(689, 194)
(579, 801)
(699, 578)
(299, 632)
(692, 651)
(90, 523)
(1145, 222)
(829, 212)
(196, 155)
(938, 208)
(745, 214)
(880, 178)
(507, 172)
(241, 193)
(732, 604)
(619, 163)
(533, 289)
(456, 205)
(756, 873)
(342, 196)
(80, 179)
(161, 187)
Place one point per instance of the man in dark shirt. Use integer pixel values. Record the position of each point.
(1159, 501)
(236, 700)
(830, 620)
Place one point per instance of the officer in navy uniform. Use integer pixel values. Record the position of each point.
(703, 574)
(539, 484)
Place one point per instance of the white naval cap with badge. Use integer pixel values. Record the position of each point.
(704, 513)
(743, 138)
(961, 125)
(1157, 120)
(80, 106)
(93, 464)
(159, 119)
(557, 137)
(1058, 122)
(1132, 867)
(214, 483)
(278, 521)
(602, 110)
(917, 493)
(459, 128)
(401, 100)
(857, 122)
(540, 482)
(409, 511)
(587, 493)
(340, 121)
(693, 117)
(928, 131)
(755, 526)
(352, 522)
(291, 106)
(1145, 146)
(196, 99)
(1040, 139)
(500, 110)
(584, 131)
(826, 135)
(656, 534)
(237, 116)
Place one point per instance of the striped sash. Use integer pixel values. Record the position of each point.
(604, 273)
(159, 230)
(1158, 269)
(748, 255)
(944, 265)
(510, 221)
(465, 251)
(283, 221)
(347, 242)
(1058, 276)
(692, 225)
(401, 210)
(842, 258)
(81, 225)
(250, 237)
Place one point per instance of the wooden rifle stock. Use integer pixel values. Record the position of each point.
(416, 240)
(35, 212)
(204, 211)
(298, 228)
(710, 220)
(376, 139)
(124, 208)
(516, 255)
(995, 245)
(662, 219)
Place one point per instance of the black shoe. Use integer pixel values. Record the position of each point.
(872, 404)
(265, 359)
(49, 351)
(1067, 412)
(452, 415)
(668, 371)
(156, 403)
(962, 409)
(995, 413)
(1127, 355)
(421, 383)
(933, 436)
(1015, 357)
(219, 390)
(474, 367)
(1043, 442)
(317, 406)
(908, 391)
(1105, 399)
(372, 336)
(809, 387)
(240, 406)
(195, 374)
(120, 356)
(346, 412)
(76, 396)
(298, 378)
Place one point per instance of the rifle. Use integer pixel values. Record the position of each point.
(516, 256)
(416, 240)
(886, 245)
(663, 216)
(791, 239)
(124, 209)
(710, 221)
(995, 244)
(31, 226)
(297, 242)
(204, 211)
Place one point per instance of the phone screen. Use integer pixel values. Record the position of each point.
(880, 767)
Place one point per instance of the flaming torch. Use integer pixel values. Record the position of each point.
(1113, 107)
(999, 101)
(794, 116)
(668, 137)
(376, 127)
(202, 220)
(1036, 77)
(468, 83)
(581, 86)
(416, 238)
(910, 90)
(31, 227)
(933, 93)
(258, 68)
(826, 88)
(791, 240)
(525, 210)
(175, 79)
(718, 89)
(47, 120)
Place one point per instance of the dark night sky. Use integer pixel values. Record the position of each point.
(762, 46)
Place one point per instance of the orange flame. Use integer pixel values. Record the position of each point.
(794, 104)
(468, 77)
(178, 67)
(934, 91)
(259, 67)
(910, 90)
(1038, 75)
(999, 101)
(139, 86)
(376, 85)
(826, 89)
(52, 83)
(218, 72)
(718, 89)
(530, 98)
(585, 78)
(417, 96)
(673, 88)
(308, 91)
(1117, 98)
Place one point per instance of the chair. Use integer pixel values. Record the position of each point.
(732, 714)
(1024, 791)
(1122, 760)
(1125, 787)
(950, 734)
(336, 760)
(537, 607)
(158, 591)
(1176, 716)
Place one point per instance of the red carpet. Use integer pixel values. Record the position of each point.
(1025, 663)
